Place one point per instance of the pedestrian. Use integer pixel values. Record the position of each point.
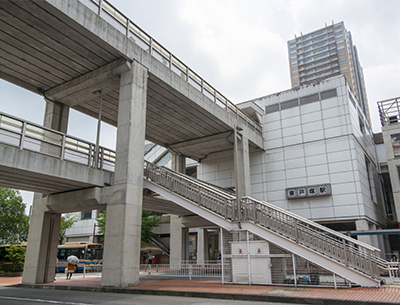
(55, 271)
(151, 256)
(70, 270)
(144, 258)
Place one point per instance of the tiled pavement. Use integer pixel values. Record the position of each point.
(388, 294)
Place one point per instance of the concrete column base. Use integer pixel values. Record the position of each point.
(41, 253)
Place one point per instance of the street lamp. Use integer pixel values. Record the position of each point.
(236, 160)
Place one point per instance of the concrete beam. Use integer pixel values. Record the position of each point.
(199, 149)
(82, 200)
(80, 89)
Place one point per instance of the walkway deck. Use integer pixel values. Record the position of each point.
(388, 294)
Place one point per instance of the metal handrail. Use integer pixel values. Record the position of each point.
(389, 111)
(349, 251)
(150, 45)
(202, 194)
(30, 136)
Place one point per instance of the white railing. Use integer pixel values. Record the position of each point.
(183, 270)
(203, 194)
(107, 11)
(33, 137)
(347, 250)
(389, 111)
(393, 269)
(92, 269)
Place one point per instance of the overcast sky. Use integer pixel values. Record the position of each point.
(240, 47)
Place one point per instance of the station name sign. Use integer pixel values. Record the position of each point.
(309, 191)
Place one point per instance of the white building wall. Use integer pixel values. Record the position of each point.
(320, 142)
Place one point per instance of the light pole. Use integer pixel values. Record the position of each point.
(94, 231)
(238, 189)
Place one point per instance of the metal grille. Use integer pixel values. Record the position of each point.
(248, 259)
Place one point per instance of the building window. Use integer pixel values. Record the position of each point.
(396, 144)
(86, 215)
(164, 159)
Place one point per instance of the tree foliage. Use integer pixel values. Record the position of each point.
(14, 224)
(67, 222)
(149, 221)
(16, 254)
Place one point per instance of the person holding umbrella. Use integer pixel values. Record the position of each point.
(72, 260)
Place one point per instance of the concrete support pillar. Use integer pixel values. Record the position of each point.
(202, 246)
(121, 260)
(242, 168)
(56, 116)
(362, 225)
(177, 240)
(41, 253)
(185, 244)
(178, 163)
(44, 227)
(374, 238)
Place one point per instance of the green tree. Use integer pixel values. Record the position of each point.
(14, 224)
(16, 255)
(67, 222)
(149, 221)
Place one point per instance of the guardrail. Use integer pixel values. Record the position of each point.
(92, 269)
(33, 137)
(106, 10)
(203, 194)
(393, 269)
(347, 250)
(183, 270)
(389, 111)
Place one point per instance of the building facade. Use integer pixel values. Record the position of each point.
(320, 160)
(325, 53)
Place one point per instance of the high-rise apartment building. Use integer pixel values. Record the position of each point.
(325, 53)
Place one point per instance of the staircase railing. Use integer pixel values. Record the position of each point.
(203, 194)
(160, 243)
(347, 250)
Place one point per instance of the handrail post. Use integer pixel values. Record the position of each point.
(62, 148)
(345, 253)
(100, 7)
(22, 138)
(296, 231)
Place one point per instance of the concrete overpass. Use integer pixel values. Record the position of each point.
(88, 56)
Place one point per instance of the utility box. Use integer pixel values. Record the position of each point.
(253, 266)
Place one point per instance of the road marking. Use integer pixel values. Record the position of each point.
(42, 301)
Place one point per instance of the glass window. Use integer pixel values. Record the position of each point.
(396, 144)
(86, 215)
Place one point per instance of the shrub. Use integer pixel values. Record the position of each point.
(16, 255)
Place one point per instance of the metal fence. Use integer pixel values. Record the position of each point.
(33, 137)
(92, 269)
(112, 15)
(248, 259)
(184, 270)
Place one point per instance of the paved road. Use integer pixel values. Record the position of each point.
(27, 296)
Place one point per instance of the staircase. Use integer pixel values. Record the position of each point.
(349, 258)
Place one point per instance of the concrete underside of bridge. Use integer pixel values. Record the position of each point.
(66, 52)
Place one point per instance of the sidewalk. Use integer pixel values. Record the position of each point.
(388, 294)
